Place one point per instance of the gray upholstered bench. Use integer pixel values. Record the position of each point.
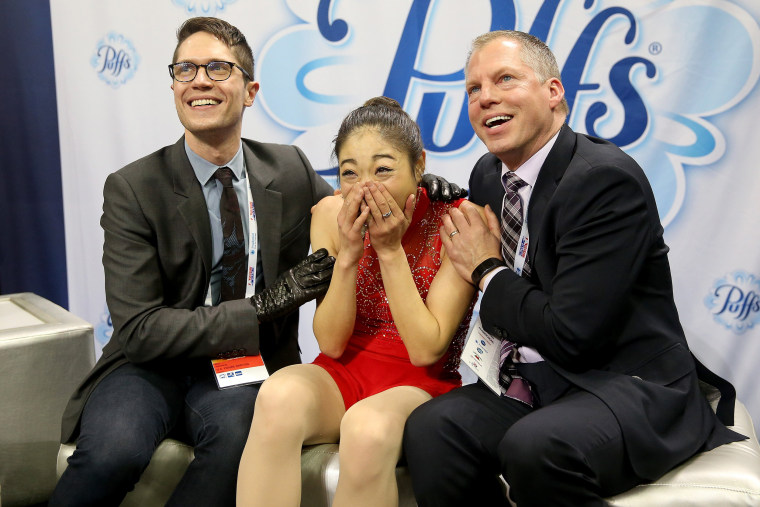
(45, 351)
(727, 476)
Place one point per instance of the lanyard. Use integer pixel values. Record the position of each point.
(250, 283)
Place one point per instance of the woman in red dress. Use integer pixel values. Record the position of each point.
(390, 328)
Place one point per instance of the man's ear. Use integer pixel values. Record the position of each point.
(251, 89)
(556, 92)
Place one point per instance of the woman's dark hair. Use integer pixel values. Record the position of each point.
(387, 117)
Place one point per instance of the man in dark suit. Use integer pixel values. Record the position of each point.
(163, 271)
(598, 388)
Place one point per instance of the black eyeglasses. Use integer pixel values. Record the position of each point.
(216, 71)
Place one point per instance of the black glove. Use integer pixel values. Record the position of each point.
(438, 189)
(305, 281)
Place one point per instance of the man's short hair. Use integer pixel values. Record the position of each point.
(225, 32)
(533, 52)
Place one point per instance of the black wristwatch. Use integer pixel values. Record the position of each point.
(484, 268)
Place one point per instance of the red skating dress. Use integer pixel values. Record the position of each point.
(376, 358)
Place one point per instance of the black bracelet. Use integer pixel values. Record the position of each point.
(484, 268)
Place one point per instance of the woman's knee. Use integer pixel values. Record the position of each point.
(283, 405)
(372, 433)
(281, 397)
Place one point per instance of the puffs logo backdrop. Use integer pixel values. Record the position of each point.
(672, 82)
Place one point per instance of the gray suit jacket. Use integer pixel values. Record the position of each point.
(157, 261)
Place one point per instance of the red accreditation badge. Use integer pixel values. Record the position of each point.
(239, 371)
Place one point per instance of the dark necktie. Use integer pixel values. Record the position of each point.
(512, 219)
(511, 226)
(233, 258)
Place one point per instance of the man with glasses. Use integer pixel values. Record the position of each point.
(172, 254)
(166, 280)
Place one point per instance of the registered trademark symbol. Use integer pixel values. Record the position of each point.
(655, 48)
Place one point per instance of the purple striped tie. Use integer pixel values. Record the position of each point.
(511, 226)
(511, 218)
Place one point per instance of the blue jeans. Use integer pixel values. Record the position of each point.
(132, 410)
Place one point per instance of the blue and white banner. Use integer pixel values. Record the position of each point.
(673, 82)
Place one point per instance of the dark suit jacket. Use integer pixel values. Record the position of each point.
(157, 261)
(599, 305)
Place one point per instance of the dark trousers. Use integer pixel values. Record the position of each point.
(569, 452)
(132, 410)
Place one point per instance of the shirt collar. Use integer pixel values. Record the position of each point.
(204, 170)
(528, 172)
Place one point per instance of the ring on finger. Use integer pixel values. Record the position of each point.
(386, 215)
(453, 233)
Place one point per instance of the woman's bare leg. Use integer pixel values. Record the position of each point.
(370, 447)
(298, 404)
